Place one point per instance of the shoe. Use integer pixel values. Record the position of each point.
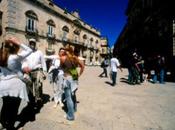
(68, 118)
(113, 85)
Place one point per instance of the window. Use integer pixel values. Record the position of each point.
(64, 36)
(65, 32)
(51, 26)
(31, 21)
(31, 24)
(76, 39)
(91, 42)
(50, 30)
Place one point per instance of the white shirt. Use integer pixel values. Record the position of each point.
(35, 60)
(114, 64)
(15, 60)
(55, 63)
(11, 85)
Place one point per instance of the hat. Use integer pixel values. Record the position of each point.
(32, 40)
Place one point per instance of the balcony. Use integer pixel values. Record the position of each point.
(64, 38)
(33, 32)
(84, 54)
(50, 51)
(51, 36)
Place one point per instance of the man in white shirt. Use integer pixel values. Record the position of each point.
(114, 66)
(35, 66)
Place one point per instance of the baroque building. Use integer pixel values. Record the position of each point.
(52, 27)
(149, 29)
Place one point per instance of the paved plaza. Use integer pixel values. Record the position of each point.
(103, 107)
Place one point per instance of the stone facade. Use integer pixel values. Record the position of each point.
(52, 27)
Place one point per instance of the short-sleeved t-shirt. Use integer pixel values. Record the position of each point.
(114, 64)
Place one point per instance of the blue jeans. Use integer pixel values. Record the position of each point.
(68, 97)
(159, 76)
(114, 76)
(162, 75)
(154, 78)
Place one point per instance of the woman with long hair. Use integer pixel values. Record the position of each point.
(12, 88)
(69, 63)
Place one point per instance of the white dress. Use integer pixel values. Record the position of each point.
(11, 85)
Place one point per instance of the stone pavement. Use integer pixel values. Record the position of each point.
(103, 107)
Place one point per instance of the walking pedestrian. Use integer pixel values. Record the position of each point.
(114, 67)
(104, 65)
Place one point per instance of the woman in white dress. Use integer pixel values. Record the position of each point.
(55, 77)
(12, 88)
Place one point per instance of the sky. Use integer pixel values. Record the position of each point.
(106, 15)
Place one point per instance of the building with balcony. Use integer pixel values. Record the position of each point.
(52, 27)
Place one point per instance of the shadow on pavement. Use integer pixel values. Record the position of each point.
(107, 82)
(125, 80)
(29, 112)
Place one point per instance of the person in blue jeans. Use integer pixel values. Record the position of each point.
(159, 70)
(69, 63)
(114, 67)
(67, 82)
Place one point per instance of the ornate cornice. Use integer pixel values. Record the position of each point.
(51, 10)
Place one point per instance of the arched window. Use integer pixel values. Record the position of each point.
(91, 42)
(31, 21)
(65, 32)
(96, 41)
(51, 22)
(65, 28)
(51, 26)
(77, 31)
(85, 40)
(84, 36)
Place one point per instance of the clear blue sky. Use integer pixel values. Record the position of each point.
(106, 15)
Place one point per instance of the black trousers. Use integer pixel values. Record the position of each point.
(9, 112)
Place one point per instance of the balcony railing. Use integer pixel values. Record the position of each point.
(50, 51)
(31, 31)
(51, 36)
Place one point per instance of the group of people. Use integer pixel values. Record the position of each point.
(140, 70)
(150, 69)
(22, 71)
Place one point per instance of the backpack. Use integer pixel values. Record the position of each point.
(102, 64)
